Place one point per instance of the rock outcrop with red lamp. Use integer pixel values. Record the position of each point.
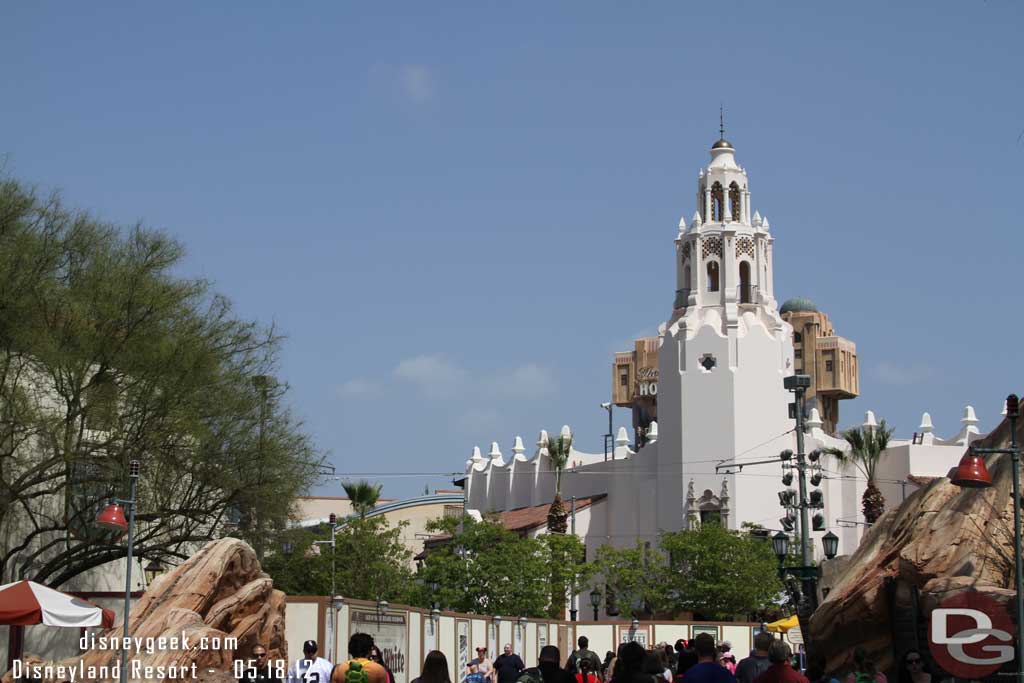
(942, 541)
(217, 595)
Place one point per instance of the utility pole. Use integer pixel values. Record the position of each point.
(572, 529)
(798, 386)
(609, 437)
(807, 595)
(333, 522)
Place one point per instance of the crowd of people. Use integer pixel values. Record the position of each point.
(698, 660)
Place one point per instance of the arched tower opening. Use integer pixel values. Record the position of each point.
(717, 202)
(746, 291)
(735, 203)
(713, 273)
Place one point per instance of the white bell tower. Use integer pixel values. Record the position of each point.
(724, 354)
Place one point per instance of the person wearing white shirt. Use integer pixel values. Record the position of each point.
(310, 669)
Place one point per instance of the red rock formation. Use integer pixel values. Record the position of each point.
(943, 540)
(218, 594)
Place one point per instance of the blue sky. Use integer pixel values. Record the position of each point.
(458, 211)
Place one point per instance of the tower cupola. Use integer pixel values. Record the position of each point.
(724, 258)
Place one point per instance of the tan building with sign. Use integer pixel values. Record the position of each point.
(635, 384)
(830, 360)
(415, 513)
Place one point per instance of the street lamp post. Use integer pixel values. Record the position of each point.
(572, 588)
(435, 620)
(972, 473)
(333, 521)
(805, 573)
(799, 384)
(595, 601)
(608, 438)
(112, 518)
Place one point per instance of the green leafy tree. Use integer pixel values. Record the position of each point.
(107, 356)
(564, 555)
(363, 495)
(486, 569)
(718, 573)
(866, 447)
(559, 448)
(371, 562)
(634, 580)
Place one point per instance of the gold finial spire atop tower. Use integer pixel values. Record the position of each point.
(722, 142)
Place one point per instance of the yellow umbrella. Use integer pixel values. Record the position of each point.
(783, 625)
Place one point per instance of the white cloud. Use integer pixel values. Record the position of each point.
(417, 82)
(628, 344)
(433, 374)
(523, 381)
(893, 373)
(439, 376)
(476, 420)
(359, 387)
(414, 83)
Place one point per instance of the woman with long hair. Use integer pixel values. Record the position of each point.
(914, 668)
(629, 664)
(377, 656)
(435, 669)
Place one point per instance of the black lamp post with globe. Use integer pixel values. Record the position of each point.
(595, 601)
(806, 574)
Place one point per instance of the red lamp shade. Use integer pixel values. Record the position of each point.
(971, 472)
(112, 518)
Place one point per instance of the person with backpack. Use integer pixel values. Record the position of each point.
(360, 668)
(548, 670)
(573, 666)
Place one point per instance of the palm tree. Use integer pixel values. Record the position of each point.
(558, 450)
(866, 446)
(363, 495)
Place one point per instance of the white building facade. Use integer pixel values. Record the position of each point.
(724, 354)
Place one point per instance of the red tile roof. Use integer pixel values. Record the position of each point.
(527, 519)
(519, 520)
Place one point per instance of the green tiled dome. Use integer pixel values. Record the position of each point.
(798, 304)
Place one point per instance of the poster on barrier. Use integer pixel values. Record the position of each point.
(391, 634)
(462, 631)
